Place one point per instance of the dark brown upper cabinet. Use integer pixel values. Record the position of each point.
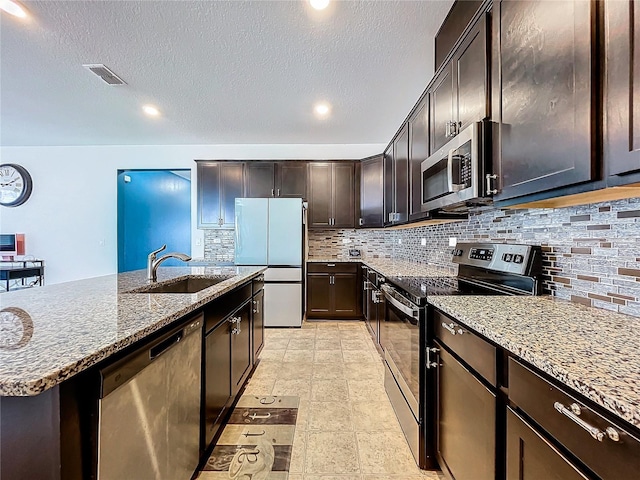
(418, 151)
(371, 193)
(461, 13)
(459, 94)
(331, 188)
(219, 184)
(543, 95)
(286, 179)
(396, 180)
(622, 90)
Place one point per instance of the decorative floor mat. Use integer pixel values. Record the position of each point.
(257, 441)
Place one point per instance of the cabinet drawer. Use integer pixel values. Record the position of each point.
(333, 267)
(540, 400)
(223, 306)
(476, 352)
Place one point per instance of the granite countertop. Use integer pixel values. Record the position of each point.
(591, 350)
(392, 268)
(73, 326)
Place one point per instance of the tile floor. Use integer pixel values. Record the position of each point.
(346, 428)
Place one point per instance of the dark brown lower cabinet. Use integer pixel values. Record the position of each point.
(217, 393)
(257, 324)
(333, 290)
(241, 354)
(466, 422)
(531, 457)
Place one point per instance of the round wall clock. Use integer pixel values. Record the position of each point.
(15, 185)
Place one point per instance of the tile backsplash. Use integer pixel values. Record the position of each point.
(591, 252)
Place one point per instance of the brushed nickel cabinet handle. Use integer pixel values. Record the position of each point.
(571, 414)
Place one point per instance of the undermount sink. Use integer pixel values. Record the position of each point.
(184, 285)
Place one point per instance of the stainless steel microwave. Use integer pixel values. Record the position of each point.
(453, 175)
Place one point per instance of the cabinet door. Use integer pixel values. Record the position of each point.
(208, 194)
(257, 324)
(389, 194)
(546, 114)
(291, 179)
(622, 87)
(471, 76)
(401, 175)
(371, 193)
(345, 298)
(231, 187)
(441, 107)
(240, 346)
(319, 194)
(217, 348)
(418, 151)
(318, 294)
(259, 178)
(343, 195)
(466, 428)
(530, 456)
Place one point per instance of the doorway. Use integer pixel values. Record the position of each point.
(154, 208)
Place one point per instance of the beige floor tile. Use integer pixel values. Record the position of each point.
(330, 416)
(268, 354)
(298, 356)
(276, 343)
(267, 369)
(298, 452)
(365, 390)
(260, 386)
(294, 371)
(331, 390)
(301, 388)
(364, 371)
(296, 477)
(358, 356)
(328, 371)
(328, 356)
(304, 333)
(331, 452)
(331, 477)
(348, 344)
(328, 343)
(374, 417)
(301, 344)
(350, 325)
(302, 420)
(277, 333)
(385, 453)
(329, 335)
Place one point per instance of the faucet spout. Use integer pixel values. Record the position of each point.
(153, 263)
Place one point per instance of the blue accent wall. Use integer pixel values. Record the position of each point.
(154, 208)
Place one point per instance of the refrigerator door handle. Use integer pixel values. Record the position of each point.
(272, 192)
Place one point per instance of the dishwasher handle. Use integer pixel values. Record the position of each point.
(165, 345)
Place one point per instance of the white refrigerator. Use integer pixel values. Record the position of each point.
(270, 232)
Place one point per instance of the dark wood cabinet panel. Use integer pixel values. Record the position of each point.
(622, 89)
(219, 184)
(457, 20)
(371, 193)
(389, 194)
(208, 194)
(318, 294)
(257, 323)
(470, 66)
(345, 295)
(319, 194)
(545, 92)
(418, 151)
(466, 425)
(331, 188)
(291, 179)
(401, 175)
(343, 195)
(259, 179)
(531, 456)
(241, 354)
(217, 395)
(441, 107)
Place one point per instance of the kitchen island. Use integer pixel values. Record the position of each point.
(54, 340)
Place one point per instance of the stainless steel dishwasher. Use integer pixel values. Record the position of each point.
(149, 410)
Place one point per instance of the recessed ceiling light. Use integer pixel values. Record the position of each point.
(151, 110)
(13, 8)
(322, 109)
(319, 4)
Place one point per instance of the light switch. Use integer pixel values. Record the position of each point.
(453, 241)
(423, 242)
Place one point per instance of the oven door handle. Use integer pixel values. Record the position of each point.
(412, 312)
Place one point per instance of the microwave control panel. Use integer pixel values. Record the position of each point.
(464, 170)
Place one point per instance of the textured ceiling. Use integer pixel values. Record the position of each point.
(239, 72)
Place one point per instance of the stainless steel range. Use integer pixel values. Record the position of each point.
(406, 333)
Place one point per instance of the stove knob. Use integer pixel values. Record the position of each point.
(518, 258)
(507, 257)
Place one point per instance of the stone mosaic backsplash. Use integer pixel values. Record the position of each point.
(591, 252)
(219, 245)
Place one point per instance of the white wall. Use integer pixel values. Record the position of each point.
(70, 220)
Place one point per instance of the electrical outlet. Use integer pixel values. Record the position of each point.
(453, 241)
(217, 240)
(399, 241)
(423, 242)
(346, 240)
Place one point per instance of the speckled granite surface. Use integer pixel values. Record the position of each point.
(593, 351)
(75, 325)
(390, 268)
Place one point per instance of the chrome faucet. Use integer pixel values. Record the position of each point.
(153, 263)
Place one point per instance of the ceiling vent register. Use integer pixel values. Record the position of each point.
(105, 74)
